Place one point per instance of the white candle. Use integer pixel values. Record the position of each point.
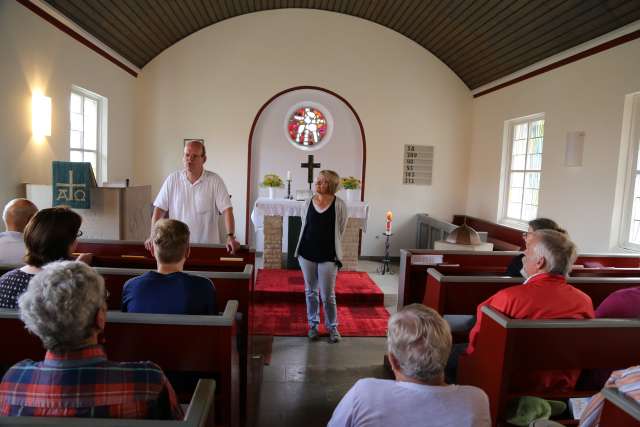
(288, 175)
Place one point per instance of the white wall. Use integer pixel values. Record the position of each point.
(587, 95)
(212, 84)
(36, 55)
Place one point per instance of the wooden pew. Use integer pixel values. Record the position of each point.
(463, 294)
(506, 347)
(199, 413)
(619, 410)
(133, 254)
(229, 285)
(179, 344)
(415, 262)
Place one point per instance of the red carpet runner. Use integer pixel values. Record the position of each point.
(279, 305)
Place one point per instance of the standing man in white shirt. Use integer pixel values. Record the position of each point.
(195, 196)
(16, 215)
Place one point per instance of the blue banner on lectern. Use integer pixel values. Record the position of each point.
(72, 182)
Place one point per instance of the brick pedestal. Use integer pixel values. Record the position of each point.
(350, 240)
(273, 242)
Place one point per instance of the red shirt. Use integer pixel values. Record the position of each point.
(543, 296)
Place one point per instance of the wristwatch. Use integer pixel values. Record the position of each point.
(232, 235)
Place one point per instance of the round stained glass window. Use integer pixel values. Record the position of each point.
(307, 126)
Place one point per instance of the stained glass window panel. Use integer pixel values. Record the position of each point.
(90, 123)
(307, 126)
(76, 103)
(76, 139)
(75, 156)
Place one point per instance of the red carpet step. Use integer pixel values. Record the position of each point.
(279, 305)
(352, 287)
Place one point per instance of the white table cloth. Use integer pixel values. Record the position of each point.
(285, 207)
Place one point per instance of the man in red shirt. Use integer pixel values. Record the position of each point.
(544, 295)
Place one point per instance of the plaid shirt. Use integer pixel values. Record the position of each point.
(84, 383)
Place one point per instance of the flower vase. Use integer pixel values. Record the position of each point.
(272, 192)
(353, 195)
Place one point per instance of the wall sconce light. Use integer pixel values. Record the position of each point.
(574, 149)
(40, 115)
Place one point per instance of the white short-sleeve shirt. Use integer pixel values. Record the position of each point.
(12, 248)
(198, 205)
(381, 403)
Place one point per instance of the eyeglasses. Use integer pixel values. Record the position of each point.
(526, 234)
(79, 234)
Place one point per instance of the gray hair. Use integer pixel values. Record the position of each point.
(420, 340)
(61, 303)
(558, 251)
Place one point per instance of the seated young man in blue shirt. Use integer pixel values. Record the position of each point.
(168, 290)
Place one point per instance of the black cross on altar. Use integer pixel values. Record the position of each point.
(310, 167)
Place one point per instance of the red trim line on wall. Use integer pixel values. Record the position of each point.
(573, 58)
(253, 127)
(64, 28)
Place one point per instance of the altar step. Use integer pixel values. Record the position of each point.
(279, 304)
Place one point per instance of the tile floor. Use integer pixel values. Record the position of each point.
(306, 380)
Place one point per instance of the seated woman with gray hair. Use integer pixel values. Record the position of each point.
(419, 343)
(65, 306)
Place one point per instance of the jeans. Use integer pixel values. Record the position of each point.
(323, 276)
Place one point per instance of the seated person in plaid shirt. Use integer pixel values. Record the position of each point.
(65, 306)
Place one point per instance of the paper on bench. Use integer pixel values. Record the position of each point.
(577, 405)
(426, 259)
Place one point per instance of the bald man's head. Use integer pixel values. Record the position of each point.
(17, 214)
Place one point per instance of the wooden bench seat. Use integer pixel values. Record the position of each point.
(179, 344)
(506, 347)
(199, 413)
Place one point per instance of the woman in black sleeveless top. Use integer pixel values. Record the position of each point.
(324, 219)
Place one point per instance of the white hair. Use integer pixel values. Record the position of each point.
(558, 251)
(60, 304)
(420, 340)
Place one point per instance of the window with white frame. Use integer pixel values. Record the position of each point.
(630, 236)
(522, 169)
(87, 133)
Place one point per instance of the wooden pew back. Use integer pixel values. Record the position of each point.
(463, 294)
(415, 262)
(200, 413)
(133, 254)
(507, 347)
(619, 410)
(179, 344)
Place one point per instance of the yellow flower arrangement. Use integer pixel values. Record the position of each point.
(272, 180)
(350, 183)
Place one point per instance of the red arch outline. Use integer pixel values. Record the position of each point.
(253, 128)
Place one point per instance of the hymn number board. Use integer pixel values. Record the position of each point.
(418, 164)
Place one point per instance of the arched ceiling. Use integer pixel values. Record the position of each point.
(480, 40)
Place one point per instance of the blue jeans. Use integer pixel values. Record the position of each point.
(323, 276)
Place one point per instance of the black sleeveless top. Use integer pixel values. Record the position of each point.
(318, 242)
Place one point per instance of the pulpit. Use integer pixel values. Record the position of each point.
(268, 215)
(116, 213)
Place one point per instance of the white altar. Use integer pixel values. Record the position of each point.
(267, 217)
